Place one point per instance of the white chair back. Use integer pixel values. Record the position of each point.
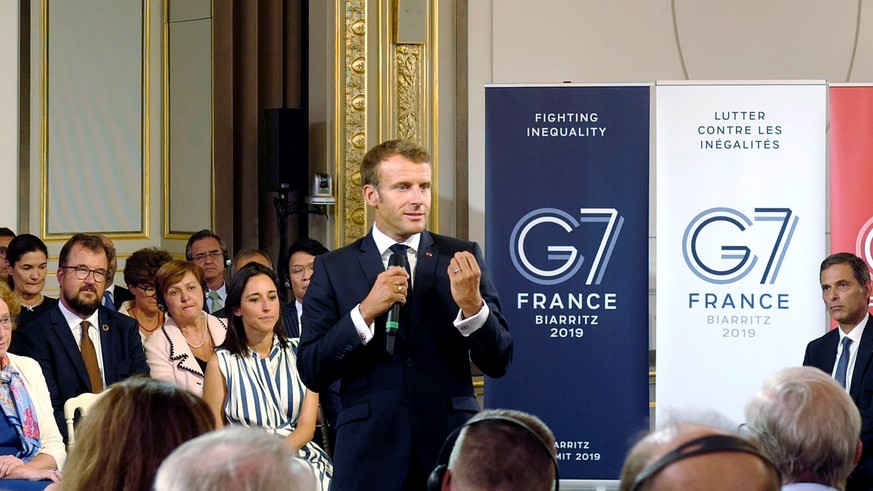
(81, 403)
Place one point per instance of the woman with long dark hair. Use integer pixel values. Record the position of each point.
(252, 380)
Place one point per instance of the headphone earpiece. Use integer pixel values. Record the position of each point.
(227, 261)
(435, 479)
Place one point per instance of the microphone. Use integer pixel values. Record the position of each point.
(392, 323)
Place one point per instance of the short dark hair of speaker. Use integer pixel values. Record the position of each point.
(285, 162)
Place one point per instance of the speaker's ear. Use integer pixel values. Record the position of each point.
(435, 479)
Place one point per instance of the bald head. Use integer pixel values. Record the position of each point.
(697, 457)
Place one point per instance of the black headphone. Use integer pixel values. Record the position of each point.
(435, 479)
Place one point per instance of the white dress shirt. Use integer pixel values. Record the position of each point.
(466, 326)
(855, 335)
(75, 323)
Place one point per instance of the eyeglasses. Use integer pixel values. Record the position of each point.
(146, 289)
(298, 270)
(203, 255)
(6, 321)
(82, 272)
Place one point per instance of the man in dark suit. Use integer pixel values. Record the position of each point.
(845, 353)
(398, 405)
(81, 345)
(301, 260)
(113, 295)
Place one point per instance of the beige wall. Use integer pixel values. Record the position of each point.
(636, 41)
(9, 114)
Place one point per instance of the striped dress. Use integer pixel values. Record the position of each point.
(267, 393)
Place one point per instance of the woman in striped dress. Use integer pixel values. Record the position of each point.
(253, 380)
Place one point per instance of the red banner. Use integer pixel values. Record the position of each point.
(851, 135)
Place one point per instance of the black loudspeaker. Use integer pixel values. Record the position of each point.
(285, 166)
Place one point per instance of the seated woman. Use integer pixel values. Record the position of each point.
(31, 447)
(26, 260)
(129, 431)
(252, 380)
(139, 273)
(179, 350)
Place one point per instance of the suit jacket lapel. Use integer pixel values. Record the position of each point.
(370, 259)
(65, 336)
(865, 350)
(108, 340)
(427, 258)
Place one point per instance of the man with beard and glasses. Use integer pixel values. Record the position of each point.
(110, 349)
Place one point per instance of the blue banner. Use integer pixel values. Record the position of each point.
(567, 223)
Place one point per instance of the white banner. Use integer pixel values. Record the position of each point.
(740, 231)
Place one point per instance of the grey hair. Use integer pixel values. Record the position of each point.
(644, 452)
(234, 459)
(807, 424)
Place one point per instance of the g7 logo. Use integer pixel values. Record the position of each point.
(736, 260)
(570, 261)
(864, 241)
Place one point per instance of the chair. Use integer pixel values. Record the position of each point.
(81, 403)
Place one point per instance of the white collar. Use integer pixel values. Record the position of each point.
(856, 332)
(73, 319)
(383, 242)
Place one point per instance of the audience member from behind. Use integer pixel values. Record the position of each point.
(207, 250)
(247, 256)
(809, 427)
(6, 236)
(500, 449)
(253, 381)
(179, 350)
(81, 345)
(31, 447)
(697, 456)
(26, 263)
(139, 273)
(113, 295)
(234, 459)
(129, 432)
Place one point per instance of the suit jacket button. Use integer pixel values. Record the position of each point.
(410, 363)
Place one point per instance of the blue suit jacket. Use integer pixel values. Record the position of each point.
(396, 409)
(822, 353)
(49, 341)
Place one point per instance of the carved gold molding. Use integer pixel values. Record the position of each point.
(404, 98)
(351, 106)
(409, 100)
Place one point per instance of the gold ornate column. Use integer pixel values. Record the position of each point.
(351, 117)
(403, 95)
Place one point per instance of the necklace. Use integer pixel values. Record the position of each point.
(202, 339)
(30, 307)
(132, 311)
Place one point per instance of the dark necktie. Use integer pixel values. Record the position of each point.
(401, 249)
(843, 363)
(89, 355)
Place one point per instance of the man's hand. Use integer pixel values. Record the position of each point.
(390, 288)
(464, 276)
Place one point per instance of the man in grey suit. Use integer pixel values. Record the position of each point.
(81, 345)
(402, 392)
